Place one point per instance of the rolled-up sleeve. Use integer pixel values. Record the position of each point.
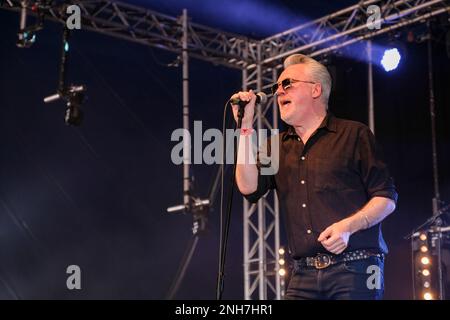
(373, 169)
(265, 183)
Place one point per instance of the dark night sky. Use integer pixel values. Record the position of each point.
(96, 195)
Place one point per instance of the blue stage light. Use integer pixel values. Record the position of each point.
(391, 59)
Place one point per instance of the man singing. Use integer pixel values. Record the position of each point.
(333, 185)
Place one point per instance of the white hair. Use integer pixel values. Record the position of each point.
(318, 72)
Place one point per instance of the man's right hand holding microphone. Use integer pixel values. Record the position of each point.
(250, 98)
(246, 171)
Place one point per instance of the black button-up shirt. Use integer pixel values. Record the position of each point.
(330, 178)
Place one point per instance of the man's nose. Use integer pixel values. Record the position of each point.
(280, 90)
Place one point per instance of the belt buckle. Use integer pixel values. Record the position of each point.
(322, 261)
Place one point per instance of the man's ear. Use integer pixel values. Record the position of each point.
(316, 90)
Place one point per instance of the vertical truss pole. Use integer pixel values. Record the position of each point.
(246, 215)
(437, 196)
(262, 267)
(371, 109)
(23, 18)
(261, 221)
(186, 139)
(275, 201)
(436, 199)
(250, 276)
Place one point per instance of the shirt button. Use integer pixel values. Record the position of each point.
(302, 182)
(303, 158)
(308, 231)
(304, 205)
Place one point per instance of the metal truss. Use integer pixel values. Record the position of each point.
(259, 62)
(347, 26)
(314, 38)
(150, 28)
(262, 220)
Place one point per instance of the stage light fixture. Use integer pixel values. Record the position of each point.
(74, 115)
(25, 39)
(425, 260)
(391, 59)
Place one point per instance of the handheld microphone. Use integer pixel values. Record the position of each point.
(261, 97)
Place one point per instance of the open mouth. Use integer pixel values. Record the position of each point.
(285, 102)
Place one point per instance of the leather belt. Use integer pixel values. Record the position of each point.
(324, 260)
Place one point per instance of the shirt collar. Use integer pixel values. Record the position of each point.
(328, 123)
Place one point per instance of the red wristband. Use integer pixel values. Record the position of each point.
(246, 131)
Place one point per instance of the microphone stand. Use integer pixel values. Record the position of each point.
(200, 210)
(226, 229)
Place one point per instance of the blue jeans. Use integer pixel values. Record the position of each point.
(350, 280)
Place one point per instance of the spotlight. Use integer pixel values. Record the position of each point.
(282, 271)
(74, 97)
(425, 260)
(26, 39)
(428, 296)
(27, 35)
(391, 59)
(425, 280)
(74, 115)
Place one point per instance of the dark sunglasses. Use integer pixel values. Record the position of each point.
(286, 84)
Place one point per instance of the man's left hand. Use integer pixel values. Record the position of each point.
(335, 237)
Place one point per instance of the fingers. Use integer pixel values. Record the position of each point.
(244, 96)
(249, 98)
(334, 243)
(331, 241)
(325, 234)
(336, 247)
(341, 249)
